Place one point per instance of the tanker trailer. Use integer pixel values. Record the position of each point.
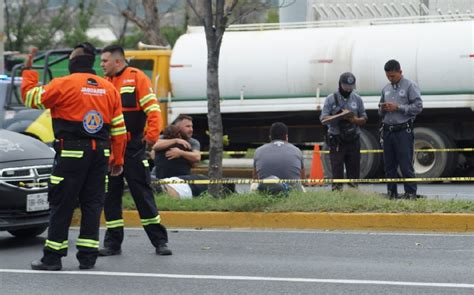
(285, 74)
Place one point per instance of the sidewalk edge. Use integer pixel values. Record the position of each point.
(428, 222)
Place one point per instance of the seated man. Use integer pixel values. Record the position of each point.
(185, 148)
(173, 166)
(278, 159)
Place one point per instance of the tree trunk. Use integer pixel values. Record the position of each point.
(214, 26)
(214, 119)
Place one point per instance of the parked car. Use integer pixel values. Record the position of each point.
(25, 167)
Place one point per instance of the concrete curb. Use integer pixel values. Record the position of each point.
(429, 222)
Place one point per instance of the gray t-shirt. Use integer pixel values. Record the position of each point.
(278, 158)
(407, 95)
(195, 145)
(353, 103)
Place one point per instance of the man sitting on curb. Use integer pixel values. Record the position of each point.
(278, 159)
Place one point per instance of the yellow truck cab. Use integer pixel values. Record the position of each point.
(155, 63)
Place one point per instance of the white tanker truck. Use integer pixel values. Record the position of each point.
(285, 73)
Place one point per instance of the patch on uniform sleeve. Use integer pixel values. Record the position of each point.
(93, 122)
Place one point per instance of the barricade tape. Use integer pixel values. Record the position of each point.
(416, 150)
(228, 153)
(315, 181)
(368, 151)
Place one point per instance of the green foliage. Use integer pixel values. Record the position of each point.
(78, 33)
(45, 26)
(171, 34)
(130, 41)
(273, 16)
(350, 201)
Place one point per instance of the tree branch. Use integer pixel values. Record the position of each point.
(196, 12)
(134, 18)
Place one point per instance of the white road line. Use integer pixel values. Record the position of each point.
(243, 278)
(232, 230)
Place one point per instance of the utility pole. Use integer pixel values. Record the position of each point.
(2, 41)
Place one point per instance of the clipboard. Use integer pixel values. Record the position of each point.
(343, 114)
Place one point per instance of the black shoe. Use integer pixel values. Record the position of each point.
(392, 195)
(409, 196)
(40, 265)
(86, 266)
(109, 252)
(413, 196)
(163, 250)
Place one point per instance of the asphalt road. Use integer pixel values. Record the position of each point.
(254, 262)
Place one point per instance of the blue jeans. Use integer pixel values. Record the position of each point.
(398, 150)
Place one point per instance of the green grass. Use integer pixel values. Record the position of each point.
(350, 201)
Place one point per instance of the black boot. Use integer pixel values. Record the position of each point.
(109, 252)
(40, 265)
(163, 250)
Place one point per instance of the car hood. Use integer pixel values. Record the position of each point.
(15, 147)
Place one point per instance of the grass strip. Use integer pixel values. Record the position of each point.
(348, 201)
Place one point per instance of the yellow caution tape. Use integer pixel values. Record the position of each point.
(368, 151)
(228, 153)
(416, 150)
(317, 181)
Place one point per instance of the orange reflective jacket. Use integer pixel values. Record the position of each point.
(140, 106)
(82, 106)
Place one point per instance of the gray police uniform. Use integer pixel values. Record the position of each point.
(353, 103)
(343, 152)
(397, 136)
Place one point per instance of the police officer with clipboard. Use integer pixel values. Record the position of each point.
(343, 113)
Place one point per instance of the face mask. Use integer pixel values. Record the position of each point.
(81, 64)
(344, 93)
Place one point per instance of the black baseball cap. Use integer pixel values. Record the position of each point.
(347, 80)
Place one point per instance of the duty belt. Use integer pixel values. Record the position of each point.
(397, 127)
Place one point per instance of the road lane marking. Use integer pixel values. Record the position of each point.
(244, 278)
(331, 232)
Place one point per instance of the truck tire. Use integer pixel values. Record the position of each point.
(28, 232)
(326, 162)
(433, 164)
(370, 163)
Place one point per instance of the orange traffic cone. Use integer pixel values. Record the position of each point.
(316, 167)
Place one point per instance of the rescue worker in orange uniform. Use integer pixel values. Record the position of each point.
(143, 120)
(87, 121)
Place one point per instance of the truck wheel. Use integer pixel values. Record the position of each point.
(326, 161)
(370, 163)
(433, 164)
(28, 232)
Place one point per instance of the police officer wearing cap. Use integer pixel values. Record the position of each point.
(343, 135)
(399, 104)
